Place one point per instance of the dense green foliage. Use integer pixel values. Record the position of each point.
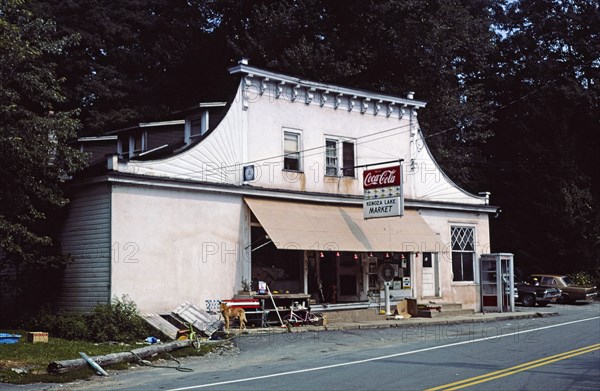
(135, 60)
(438, 49)
(34, 136)
(542, 164)
(118, 321)
(512, 91)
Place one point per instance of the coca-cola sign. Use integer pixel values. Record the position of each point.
(381, 177)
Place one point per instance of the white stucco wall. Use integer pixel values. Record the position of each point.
(378, 137)
(267, 118)
(187, 242)
(440, 222)
(252, 133)
(175, 246)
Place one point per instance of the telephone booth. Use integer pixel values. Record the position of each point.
(497, 282)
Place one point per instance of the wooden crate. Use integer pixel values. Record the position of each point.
(37, 336)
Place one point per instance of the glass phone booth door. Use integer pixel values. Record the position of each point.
(497, 282)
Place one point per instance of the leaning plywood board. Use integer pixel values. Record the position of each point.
(160, 323)
(202, 320)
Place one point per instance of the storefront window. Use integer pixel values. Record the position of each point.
(463, 253)
(280, 269)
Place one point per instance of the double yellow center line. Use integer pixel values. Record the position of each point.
(516, 369)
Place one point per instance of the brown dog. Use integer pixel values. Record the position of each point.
(232, 313)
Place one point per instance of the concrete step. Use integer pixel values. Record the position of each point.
(352, 315)
(433, 309)
(443, 305)
(443, 312)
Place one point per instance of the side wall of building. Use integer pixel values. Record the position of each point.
(85, 236)
(441, 222)
(172, 246)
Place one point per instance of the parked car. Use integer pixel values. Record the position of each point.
(571, 292)
(531, 292)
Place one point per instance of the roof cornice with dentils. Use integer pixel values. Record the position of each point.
(267, 76)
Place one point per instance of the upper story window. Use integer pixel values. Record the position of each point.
(463, 253)
(348, 158)
(196, 126)
(336, 151)
(123, 147)
(138, 143)
(331, 158)
(292, 146)
(132, 144)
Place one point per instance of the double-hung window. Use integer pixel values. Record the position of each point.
(337, 151)
(291, 150)
(196, 126)
(463, 253)
(331, 157)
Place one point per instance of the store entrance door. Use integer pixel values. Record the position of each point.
(430, 275)
(348, 277)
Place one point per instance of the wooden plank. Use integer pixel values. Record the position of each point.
(160, 323)
(93, 364)
(202, 320)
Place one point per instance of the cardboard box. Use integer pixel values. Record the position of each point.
(407, 308)
(402, 309)
(412, 306)
(37, 336)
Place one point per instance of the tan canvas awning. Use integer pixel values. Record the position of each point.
(308, 226)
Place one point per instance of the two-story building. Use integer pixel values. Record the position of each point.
(268, 187)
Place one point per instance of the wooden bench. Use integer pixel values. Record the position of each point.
(252, 307)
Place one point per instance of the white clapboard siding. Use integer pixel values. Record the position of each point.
(86, 236)
(217, 158)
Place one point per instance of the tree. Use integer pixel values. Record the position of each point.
(134, 62)
(34, 137)
(542, 162)
(147, 58)
(437, 48)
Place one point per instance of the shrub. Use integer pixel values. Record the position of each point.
(62, 325)
(582, 278)
(117, 321)
(588, 279)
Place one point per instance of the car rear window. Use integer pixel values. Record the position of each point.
(548, 281)
(567, 281)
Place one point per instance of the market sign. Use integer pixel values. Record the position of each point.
(383, 193)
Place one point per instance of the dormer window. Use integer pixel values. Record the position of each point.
(132, 144)
(138, 143)
(196, 126)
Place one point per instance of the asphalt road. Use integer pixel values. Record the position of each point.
(550, 353)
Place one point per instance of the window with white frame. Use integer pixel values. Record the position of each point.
(463, 253)
(331, 157)
(138, 143)
(348, 159)
(196, 126)
(292, 145)
(337, 151)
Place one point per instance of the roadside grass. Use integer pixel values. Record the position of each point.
(35, 357)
